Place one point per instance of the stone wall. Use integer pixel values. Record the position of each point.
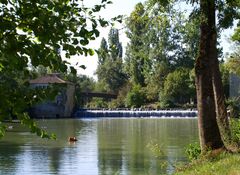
(61, 107)
(47, 110)
(70, 101)
(234, 86)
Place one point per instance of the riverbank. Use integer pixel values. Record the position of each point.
(224, 164)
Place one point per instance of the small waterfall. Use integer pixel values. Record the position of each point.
(88, 113)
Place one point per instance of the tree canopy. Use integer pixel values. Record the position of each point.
(38, 33)
(110, 63)
(162, 39)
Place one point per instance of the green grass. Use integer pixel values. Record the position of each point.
(224, 164)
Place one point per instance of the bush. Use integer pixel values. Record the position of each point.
(235, 130)
(136, 97)
(120, 101)
(193, 151)
(97, 103)
(178, 89)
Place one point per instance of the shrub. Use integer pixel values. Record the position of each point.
(120, 101)
(193, 151)
(235, 130)
(165, 101)
(97, 103)
(178, 87)
(136, 97)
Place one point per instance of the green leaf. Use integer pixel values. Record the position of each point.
(4, 2)
(75, 41)
(2, 130)
(84, 42)
(97, 33)
(63, 68)
(97, 8)
(103, 23)
(82, 66)
(91, 52)
(73, 70)
(1, 67)
(32, 32)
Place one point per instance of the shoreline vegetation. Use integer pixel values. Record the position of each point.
(215, 162)
(219, 164)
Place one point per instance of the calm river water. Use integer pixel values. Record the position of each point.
(113, 146)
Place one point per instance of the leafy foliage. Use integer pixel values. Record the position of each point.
(37, 30)
(136, 97)
(162, 39)
(156, 149)
(233, 62)
(225, 73)
(235, 128)
(136, 61)
(236, 36)
(193, 151)
(33, 33)
(2, 130)
(122, 94)
(178, 87)
(97, 103)
(112, 75)
(227, 12)
(110, 66)
(102, 51)
(82, 84)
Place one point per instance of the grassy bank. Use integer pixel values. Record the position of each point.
(224, 164)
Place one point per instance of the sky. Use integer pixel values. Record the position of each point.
(121, 7)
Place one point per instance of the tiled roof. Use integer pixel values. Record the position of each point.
(48, 79)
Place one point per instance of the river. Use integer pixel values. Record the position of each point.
(105, 146)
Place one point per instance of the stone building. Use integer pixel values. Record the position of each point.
(62, 106)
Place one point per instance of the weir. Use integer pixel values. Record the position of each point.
(88, 113)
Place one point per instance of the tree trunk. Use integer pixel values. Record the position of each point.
(210, 137)
(219, 98)
(221, 112)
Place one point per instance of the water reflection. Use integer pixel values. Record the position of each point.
(104, 147)
(9, 159)
(123, 144)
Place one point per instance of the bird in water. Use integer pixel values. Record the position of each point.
(72, 139)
